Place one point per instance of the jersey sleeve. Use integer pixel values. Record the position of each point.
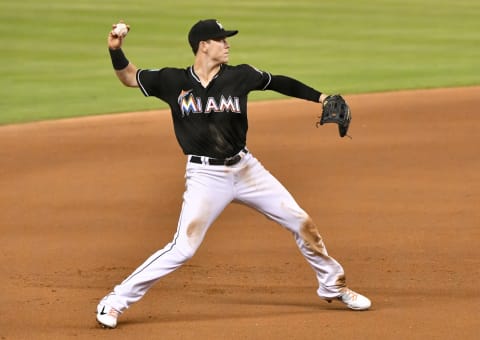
(256, 79)
(261, 80)
(149, 82)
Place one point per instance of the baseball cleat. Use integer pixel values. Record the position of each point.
(353, 300)
(107, 316)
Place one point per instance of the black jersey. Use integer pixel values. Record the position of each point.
(209, 121)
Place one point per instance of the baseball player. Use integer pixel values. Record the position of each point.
(208, 103)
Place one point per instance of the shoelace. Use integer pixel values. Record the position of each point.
(113, 312)
(349, 294)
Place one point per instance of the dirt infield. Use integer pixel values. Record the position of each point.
(84, 201)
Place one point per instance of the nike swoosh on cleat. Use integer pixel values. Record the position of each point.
(103, 311)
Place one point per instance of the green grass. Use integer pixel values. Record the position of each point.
(54, 60)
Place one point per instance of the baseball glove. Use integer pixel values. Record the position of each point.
(336, 110)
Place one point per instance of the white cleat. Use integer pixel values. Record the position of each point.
(354, 300)
(107, 316)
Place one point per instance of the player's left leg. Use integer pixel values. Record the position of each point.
(259, 189)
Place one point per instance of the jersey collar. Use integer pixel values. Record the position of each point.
(192, 72)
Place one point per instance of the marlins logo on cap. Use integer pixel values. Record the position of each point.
(205, 30)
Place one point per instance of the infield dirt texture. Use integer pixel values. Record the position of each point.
(84, 201)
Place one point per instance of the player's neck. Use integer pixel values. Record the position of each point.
(206, 70)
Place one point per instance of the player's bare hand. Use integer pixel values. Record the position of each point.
(117, 35)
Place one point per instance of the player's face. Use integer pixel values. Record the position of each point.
(218, 50)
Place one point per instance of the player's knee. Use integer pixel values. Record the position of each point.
(293, 218)
(187, 243)
(310, 234)
(302, 221)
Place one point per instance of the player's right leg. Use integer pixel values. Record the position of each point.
(208, 192)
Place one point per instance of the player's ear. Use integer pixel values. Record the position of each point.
(202, 46)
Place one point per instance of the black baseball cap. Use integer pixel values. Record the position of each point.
(205, 30)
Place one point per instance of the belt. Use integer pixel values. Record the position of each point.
(218, 161)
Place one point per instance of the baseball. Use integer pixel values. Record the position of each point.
(120, 30)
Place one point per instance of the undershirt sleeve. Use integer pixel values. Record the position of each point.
(293, 88)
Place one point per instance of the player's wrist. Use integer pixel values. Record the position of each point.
(119, 61)
(322, 97)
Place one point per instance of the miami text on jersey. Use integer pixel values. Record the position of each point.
(190, 104)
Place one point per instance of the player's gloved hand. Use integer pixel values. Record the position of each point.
(336, 110)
